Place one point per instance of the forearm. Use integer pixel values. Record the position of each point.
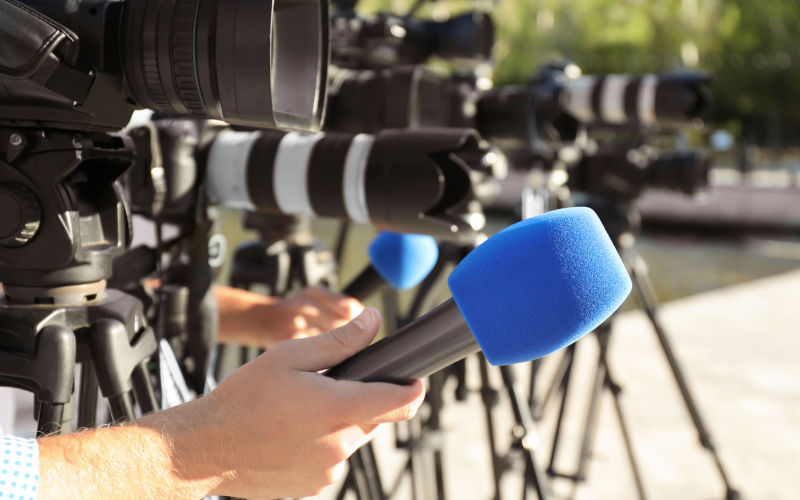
(179, 453)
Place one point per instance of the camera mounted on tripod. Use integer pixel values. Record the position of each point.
(71, 74)
(85, 65)
(384, 40)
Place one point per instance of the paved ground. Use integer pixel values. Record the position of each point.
(739, 347)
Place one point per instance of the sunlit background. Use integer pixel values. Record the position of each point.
(725, 264)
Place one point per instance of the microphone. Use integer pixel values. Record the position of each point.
(531, 289)
(399, 260)
(410, 181)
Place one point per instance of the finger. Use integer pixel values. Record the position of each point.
(377, 402)
(330, 348)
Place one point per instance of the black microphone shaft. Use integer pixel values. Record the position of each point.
(424, 346)
(365, 284)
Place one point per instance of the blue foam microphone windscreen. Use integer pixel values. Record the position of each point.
(529, 290)
(403, 260)
(539, 285)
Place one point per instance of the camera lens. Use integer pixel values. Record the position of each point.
(684, 172)
(258, 63)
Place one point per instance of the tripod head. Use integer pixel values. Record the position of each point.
(64, 218)
(287, 257)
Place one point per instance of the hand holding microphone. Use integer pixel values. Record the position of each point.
(533, 288)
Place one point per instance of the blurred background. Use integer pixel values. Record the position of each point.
(725, 263)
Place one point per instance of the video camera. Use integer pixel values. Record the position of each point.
(551, 107)
(623, 174)
(86, 64)
(360, 42)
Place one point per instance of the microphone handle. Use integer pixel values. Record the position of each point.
(365, 284)
(424, 346)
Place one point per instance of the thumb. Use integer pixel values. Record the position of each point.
(326, 350)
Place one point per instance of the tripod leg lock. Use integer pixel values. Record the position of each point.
(115, 357)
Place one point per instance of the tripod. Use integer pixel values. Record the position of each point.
(622, 222)
(523, 431)
(285, 259)
(64, 221)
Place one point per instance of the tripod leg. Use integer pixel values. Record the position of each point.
(534, 403)
(121, 406)
(647, 298)
(373, 471)
(115, 359)
(363, 475)
(55, 355)
(592, 415)
(603, 338)
(489, 397)
(346, 487)
(50, 419)
(341, 241)
(525, 433)
(590, 427)
(222, 351)
(459, 371)
(87, 405)
(637, 476)
(143, 388)
(556, 384)
(423, 486)
(569, 356)
(433, 426)
(424, 453)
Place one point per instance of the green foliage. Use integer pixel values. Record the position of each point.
(750, 47)
(754, 56)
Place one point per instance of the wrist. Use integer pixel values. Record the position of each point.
(199, 447)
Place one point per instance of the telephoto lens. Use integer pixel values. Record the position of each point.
(639, 100)
(249, 62)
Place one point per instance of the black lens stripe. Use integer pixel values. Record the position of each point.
(632, 99)
(597, 97)
(326, 175)
(260, 171)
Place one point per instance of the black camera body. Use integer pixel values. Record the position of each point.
(86, 64)
(387, 40)
(618, 173)
(55, 76)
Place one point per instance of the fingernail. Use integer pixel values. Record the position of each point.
(364, 319)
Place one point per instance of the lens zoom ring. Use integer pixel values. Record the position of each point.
(183, 61)
(149, 61)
